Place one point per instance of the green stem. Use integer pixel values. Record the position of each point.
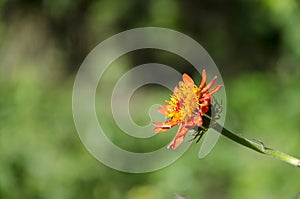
(256, 145)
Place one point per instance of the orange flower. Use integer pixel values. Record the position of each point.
(186, 107)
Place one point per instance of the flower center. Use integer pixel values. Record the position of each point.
(184, 102)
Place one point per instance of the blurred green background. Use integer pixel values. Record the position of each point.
(255, 43)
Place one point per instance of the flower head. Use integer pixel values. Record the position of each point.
(186, 107)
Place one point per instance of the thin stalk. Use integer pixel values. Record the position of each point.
(256, 145)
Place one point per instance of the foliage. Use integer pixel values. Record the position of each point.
(42, 44)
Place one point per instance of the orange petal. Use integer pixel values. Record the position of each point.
(203, 81)
(196, 121)
(209, 85)
(200, 121)
(191, 123)
(161, 127)
(215, 89)
(176, 90)
(160, 130)
(204, 109)
(176, 142)
(167, 124)
(164, 109)
(158, 124)
(182, 130)
(188, 80)
(179, 137)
